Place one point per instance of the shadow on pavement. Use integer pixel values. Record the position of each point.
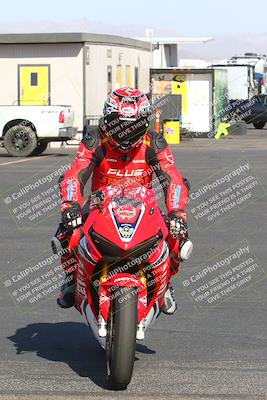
(68, 342)
(141, 348)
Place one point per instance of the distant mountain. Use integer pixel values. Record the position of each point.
(223, 46)
(81, 25)
(227, 45)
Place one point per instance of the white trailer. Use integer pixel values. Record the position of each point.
(240, 80)
(203, 95)
(259, 61)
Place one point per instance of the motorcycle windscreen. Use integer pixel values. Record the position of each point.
(130, 215)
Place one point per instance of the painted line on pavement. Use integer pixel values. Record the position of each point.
(20, 161)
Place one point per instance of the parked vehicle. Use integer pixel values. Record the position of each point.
(199, 95)
(241, 81)
(124, 293)
(253, 111)
(257, 110)
(260, 63)
(27, 130)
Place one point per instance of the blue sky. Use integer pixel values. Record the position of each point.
(193, 17)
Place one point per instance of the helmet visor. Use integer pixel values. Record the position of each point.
(126, 132)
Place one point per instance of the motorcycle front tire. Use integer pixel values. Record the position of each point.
(121, 337)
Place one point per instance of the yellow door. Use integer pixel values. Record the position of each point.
(128, 76)
(34, 85)
(119, 77)
(179, 86)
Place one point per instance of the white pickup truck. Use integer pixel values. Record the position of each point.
(26, 130)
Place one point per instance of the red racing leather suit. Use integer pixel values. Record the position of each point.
(96, 156)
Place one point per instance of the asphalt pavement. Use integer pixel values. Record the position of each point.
(205, 351)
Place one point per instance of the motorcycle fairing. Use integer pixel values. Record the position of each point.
(122, 279)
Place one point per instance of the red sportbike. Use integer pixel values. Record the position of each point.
(123, 272)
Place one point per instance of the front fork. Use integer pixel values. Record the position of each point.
(105, 297)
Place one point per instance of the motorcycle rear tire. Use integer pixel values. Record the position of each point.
(121, 337)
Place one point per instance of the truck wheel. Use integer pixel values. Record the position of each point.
(121, 338)
(259, 125)
(41, 147)
(20, 141)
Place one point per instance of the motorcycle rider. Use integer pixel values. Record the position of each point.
(122, 146)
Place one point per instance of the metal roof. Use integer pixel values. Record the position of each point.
(75, 37)
(177, 40)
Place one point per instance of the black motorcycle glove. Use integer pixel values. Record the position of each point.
(178, 226)
(72, 215)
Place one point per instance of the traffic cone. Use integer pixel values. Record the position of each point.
(157, 122)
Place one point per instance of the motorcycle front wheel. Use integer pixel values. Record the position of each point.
(121, 337)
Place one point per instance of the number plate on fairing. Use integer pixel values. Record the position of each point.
(126, 219)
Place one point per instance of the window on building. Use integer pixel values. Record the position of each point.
(128, 76)
(34, 79)
(136, 77)
(119, 76)
(109, 79)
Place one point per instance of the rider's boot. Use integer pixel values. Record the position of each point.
(60, 243)
(66, 298)
(184, 252)
(169, 306)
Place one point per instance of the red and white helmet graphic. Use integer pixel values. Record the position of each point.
(127, 103)
(126, 112)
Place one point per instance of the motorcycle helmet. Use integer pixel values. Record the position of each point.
(126, 113)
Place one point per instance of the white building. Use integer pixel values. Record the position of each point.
(77, 69)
